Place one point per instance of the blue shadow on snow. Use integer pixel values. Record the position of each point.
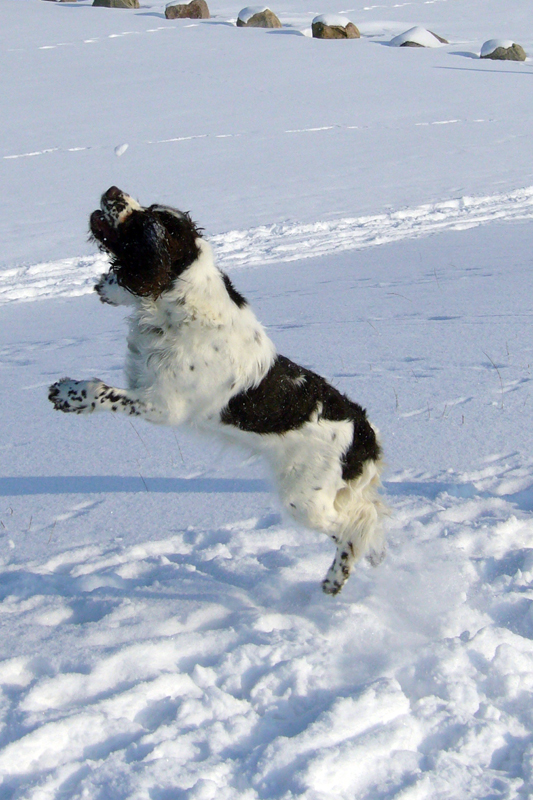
(110, 484)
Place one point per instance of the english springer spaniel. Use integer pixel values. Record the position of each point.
(198, 355)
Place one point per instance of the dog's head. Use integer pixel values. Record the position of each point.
(149, 247)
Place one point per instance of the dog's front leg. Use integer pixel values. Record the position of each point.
(85, 397)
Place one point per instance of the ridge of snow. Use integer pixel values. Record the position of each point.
(332, 20)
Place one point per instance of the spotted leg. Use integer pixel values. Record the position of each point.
(85, 397)
(339, 572)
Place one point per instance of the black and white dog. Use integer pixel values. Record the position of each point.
(197, 354)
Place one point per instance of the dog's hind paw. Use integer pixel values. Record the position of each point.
(331, 587)
(75, 397)
(339, 572)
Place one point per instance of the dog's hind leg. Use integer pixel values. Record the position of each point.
(347, 555)
(339, 572)
(360, 509)
(350, 548)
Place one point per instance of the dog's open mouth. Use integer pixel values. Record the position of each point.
(101, 229)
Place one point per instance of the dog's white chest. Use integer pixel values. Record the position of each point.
(192, 364)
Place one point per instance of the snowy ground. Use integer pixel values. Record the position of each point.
(163, 635)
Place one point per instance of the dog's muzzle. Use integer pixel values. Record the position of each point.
(115, 207)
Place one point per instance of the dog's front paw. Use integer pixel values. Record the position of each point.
(106, 287)
(109, 291)
(74, 397)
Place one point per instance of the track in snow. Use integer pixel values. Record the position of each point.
(286, 242)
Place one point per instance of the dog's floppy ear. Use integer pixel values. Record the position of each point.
(182, 234)
(150, 248)
(142, 259)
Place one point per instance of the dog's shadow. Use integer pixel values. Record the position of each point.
(111, 484)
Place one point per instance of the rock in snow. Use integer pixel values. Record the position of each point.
(257, 17)
(418, 37)
(332, 26)
(502, 50)
(196, 9)
(117, 3)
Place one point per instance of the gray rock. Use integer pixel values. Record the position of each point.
(117, 3)
(513, 53)
(441, 39)
(196, 9)
(322, 31)
(263, 19)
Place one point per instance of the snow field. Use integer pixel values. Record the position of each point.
(264, 691)
(163, 627)
(381, 145)
(163, 635)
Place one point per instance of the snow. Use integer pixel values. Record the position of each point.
(162, 629)
(493, 44)
(417, 35)
(248, 12)
(121, 149)
(332, 19)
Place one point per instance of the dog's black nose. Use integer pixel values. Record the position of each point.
(113, 193)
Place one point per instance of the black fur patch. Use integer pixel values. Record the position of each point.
(236, 296)
(286, 399)
(149, 249)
